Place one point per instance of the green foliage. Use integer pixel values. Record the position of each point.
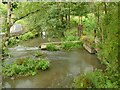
(81, 82)
(0, 67)
(96, 79)
(71, 38)
(57, 20)
(71, 45)
(89, 24)
(25, 67)
(3, 9)
(27, 36)
(51, 47)
(70, 35)
(109, 46)
(24, 37)
(13, 41)
(39, 54)
(108, 53)
(43, 65)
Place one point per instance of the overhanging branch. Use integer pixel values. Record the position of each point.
(26, 15)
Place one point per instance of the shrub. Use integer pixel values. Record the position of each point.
(13, 41)
(25, 67)
(71, 45)
(81, 82)
(71, 36)
(24, 37)
(96, 79)
(27, 36)
(51, 47)
(43, 65)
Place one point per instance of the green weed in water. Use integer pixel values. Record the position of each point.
(51, 47)
(25, 67)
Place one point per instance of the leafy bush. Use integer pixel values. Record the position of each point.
(71, 36)
(13, 41)
(24, 37)
(43, 65)
(51, 47)
(81, 82)
(89, 24)
(25, 67)
(27, 36)
(96, 79)
(70, 45)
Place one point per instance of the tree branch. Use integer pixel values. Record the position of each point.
(26, 15)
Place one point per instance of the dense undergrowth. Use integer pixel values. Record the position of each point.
(70, 35)
(96, 79)
(25, 67)
(71, 45)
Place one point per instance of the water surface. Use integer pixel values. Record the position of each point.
(64, 66)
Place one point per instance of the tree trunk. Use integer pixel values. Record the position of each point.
(105, 7)
(69, 17)
(104, 31)
(81, 20)
(7, 35)
(66, 18)
(9, 18)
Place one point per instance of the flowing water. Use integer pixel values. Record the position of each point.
(64, 66)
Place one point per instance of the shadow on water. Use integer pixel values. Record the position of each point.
(64, 66)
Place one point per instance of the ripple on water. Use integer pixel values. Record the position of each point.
(65, 65)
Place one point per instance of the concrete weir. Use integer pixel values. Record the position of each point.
(89, 49)
(43, 46)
